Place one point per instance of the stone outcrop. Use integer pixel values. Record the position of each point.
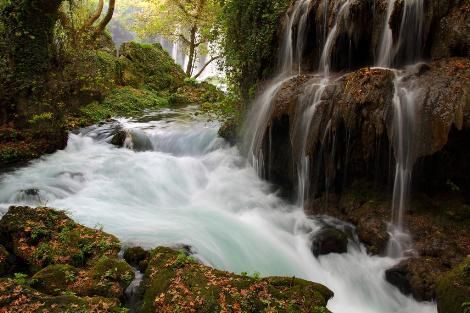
(352, 124)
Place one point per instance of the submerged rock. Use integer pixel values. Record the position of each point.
(453, 289)
(329, 240)
(174, 280)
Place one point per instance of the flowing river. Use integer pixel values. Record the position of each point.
(182, 184)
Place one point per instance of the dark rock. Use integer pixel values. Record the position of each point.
(229, 131)
(329, 240)
(452, 37)
(119, 138)
(135, 255)
(4, 261)
(453, 289)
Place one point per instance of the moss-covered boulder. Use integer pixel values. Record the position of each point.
(107, 277)
(175, 282)
(453, 289)
(43, 236)
(150, 66)
(15, 297)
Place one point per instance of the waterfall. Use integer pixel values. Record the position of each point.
(325, 60)
(258, 116)
(410, 42)
(386, 43)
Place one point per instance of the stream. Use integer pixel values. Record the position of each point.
(184, 185)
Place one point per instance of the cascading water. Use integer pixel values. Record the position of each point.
(386, 43)
(407, 49)
(190, 187)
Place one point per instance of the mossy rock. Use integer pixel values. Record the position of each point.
(43, 236)
(453, 289)
(20, 298)
(108, 277)
(124, 101)
(150, 66)
(174, 280)
(54, 279)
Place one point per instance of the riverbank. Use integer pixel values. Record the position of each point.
(49, 263)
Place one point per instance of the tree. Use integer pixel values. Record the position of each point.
(191, 22)
(78, 19)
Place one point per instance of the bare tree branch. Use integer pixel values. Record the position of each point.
(206, 65)
(96, 15)
(107, 18)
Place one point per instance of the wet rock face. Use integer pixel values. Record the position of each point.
(329, 240)
(175, 280)
(452, 37)
(352, 125)
(444, 32)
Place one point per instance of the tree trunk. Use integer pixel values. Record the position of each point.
(192, 51)
(95, 15)
(107, 18)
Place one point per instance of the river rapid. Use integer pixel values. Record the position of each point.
(182, 184)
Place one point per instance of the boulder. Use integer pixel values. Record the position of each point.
(453, 289)
(173, 279)
(414, 277)
(329, 240)
(43, 236)
(106, 277)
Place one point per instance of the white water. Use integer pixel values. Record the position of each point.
(193, 188)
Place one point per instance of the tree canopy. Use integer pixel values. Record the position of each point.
(194, 23)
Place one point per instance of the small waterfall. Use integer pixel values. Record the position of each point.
(386, 43)
(325, 60)
(287, 57)
(261, 110)
(404, 136)
(411, 38)
(308, 104)
(409, 45)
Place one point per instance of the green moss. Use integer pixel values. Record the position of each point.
(149, 66)
(172, 280)
(65, 242)
(125, 101)
(54, 279)
(112, 269)
(453, 289)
